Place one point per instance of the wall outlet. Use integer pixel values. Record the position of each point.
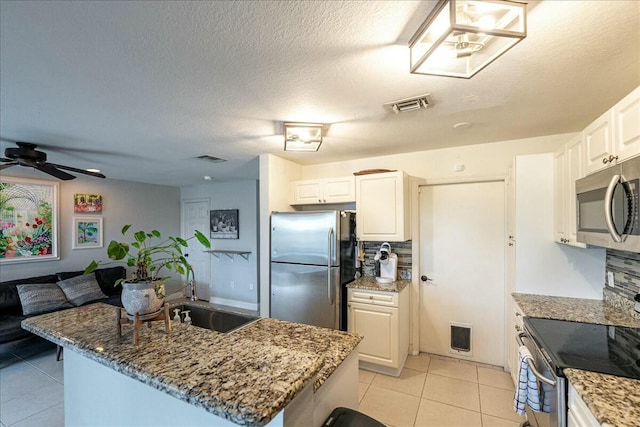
(232, 284)
(610, 279)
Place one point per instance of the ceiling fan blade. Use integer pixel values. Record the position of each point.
(8, 165)
(53, 171)
(72, 169)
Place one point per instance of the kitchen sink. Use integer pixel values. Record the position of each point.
(216, 320)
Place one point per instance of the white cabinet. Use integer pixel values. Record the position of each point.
(567, 167)
(578, 414)
(382, 318)
(598, 142)
(320, 191)
(515, 327)
(614, 136)
(382, 203)
(626, 116)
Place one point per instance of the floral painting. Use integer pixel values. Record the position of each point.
(28, 220)
(87, 203)
(87, 232)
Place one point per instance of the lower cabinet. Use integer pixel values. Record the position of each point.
(578, 414)
(515, 327)
(382, 318)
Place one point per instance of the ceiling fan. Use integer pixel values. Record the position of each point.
(27, 155)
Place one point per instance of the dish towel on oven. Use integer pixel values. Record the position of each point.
(527, 391)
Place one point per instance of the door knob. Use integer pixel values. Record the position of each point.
(424, 278)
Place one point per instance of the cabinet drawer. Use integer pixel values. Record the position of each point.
(579, 412)
(389, 299)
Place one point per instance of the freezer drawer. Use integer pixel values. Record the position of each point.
(306, 294)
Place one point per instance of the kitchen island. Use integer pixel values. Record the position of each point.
(254, 376)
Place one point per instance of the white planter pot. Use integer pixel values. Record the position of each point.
(141, 298)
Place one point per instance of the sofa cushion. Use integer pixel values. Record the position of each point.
(107, 277)
(64, 275)
(9, 298)
(41, 297)
(81, 289)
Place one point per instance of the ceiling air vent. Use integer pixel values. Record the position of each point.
(411, 104)
(211, 158)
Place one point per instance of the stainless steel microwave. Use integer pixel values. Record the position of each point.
(607, 207)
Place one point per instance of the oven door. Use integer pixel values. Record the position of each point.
(553, 386)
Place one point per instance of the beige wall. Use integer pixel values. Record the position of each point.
(482, 160)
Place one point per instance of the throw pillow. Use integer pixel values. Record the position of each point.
(81, 289)
(41, 297)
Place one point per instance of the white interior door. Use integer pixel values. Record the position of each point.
(462, 237)
(195, 216)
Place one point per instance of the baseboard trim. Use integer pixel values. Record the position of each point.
(234, 303)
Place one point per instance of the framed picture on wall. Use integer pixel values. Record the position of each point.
(28, 220)
(87, 232)
(87, 203)
(224, 224)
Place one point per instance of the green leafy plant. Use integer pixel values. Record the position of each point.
(149, 253)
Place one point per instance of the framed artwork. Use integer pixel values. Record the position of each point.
(28, 220)
(224, 224)
(87, 203)
(87, 232)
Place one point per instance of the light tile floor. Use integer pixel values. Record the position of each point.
(439, 392)
(31, 390)
(431, 391)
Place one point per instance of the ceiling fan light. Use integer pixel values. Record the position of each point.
(488, 28)
(93, 170)
(302, 136)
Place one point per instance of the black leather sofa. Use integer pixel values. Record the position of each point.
(11, 312)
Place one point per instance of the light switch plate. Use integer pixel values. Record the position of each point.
(610, 279)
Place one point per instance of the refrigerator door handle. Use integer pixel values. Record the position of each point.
(329, 240)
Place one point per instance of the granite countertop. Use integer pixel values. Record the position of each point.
(369, 283)
(614, 401)
(575, 310)
(246, 376)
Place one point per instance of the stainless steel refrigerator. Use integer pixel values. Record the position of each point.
(312, 260)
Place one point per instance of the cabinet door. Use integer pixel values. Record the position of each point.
(379, 327)
(382, 205)
(598, 142)
(339, 190)
(627, 120)
(306, 192)
(573, 173)
(559, 195)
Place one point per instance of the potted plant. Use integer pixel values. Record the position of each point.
(149, 253)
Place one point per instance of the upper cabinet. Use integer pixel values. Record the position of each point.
(614, 136)
(567, 165)
(382, 203)
(320, 191)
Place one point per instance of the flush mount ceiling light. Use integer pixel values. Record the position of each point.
(302, 136)
(411, 104)
(461, 37)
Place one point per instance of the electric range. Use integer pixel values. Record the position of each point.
(605, 349)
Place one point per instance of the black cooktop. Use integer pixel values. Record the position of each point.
(599, 348)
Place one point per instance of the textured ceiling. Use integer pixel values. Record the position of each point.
(138, 89)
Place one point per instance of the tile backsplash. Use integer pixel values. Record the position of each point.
(625, 267)
(402, 249)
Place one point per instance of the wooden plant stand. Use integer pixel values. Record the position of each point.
(137, 322)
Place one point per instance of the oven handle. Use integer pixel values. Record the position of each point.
(532, 364)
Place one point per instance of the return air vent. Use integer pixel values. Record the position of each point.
(211, 158)
(411, 104)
